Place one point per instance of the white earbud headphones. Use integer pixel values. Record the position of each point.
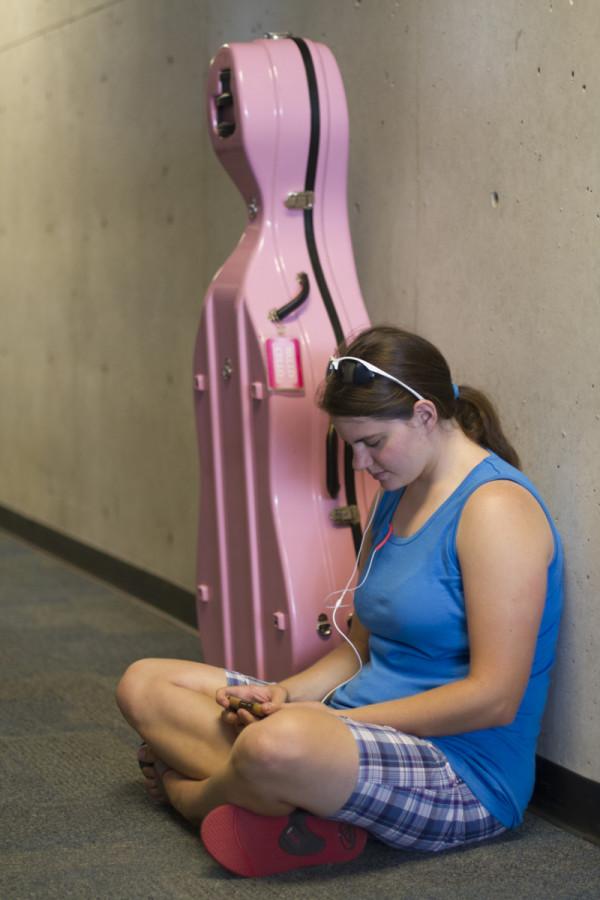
(347, 589)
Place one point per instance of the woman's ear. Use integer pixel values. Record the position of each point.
(425, 414)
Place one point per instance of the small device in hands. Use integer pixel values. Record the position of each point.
(251, 706)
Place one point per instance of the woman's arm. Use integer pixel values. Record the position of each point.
(504, 546)
(313, 684)
(327, 673)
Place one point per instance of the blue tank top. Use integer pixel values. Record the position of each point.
(413, 606)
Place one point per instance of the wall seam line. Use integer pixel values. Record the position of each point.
(70, 20)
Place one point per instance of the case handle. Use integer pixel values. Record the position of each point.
(277, 315)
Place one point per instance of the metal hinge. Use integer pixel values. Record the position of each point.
(300, 200)
(345, 515)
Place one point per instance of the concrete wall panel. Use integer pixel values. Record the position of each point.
(101, 255)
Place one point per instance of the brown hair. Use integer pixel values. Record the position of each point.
(418, 363)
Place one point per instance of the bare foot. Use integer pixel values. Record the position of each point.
(184, 794)
(153, 770)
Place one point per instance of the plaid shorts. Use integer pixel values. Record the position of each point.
(407, 794)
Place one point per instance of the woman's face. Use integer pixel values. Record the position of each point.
(393, 451)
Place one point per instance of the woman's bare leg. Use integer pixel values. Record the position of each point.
(304, 758)
(170, 703)
(297, 757)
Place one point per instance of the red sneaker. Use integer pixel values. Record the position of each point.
(253, 845)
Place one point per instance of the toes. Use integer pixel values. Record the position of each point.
(155, 789)
(152, 770)
(146, 760)
(156, 793)
(145, 755)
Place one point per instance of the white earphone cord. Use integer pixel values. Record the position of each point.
(347, 589)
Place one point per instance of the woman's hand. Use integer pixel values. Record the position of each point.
(266, 698)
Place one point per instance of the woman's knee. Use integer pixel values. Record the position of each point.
(144, 690)
(135, 686)
(269, 748)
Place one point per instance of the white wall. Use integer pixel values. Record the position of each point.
(114, 215)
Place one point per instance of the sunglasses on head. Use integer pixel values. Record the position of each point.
(358, 371)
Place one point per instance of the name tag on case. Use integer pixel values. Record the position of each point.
(284, 364)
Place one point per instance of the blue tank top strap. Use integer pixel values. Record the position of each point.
(383, 515)
(494, 468)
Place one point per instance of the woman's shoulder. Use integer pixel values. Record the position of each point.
(502, 494)
(495, 478)
(506, 509)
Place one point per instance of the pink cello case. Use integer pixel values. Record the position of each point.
(280, 511)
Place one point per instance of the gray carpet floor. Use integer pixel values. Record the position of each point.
(76, 822)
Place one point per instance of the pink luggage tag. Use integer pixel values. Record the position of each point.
(284, 364)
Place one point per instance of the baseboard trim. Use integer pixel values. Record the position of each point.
(567, 799)
(154, 590)
(561, 796)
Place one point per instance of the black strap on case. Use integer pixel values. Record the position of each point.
(313, 252)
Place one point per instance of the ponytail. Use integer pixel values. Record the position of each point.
(477, 416)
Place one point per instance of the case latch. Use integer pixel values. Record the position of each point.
(300, 200)
(345, 515)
